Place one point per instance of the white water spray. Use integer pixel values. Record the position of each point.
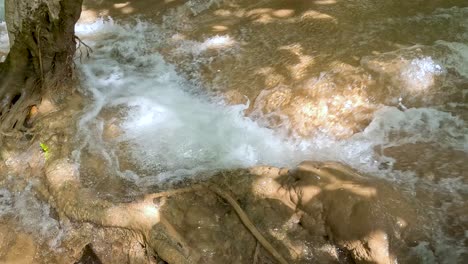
(168, 130)
(168, 127)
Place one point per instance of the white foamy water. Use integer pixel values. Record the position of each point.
(419, 74)
(2, 10)
(4, 42)
(417, 125)
(223, 42)
(172, 129)
(31, 215)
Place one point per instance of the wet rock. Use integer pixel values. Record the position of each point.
(334, 103)
(314, 213)
(7, 238)
(367, 216)
(22, 251)
(209, 228)
(418, 75)
(429, 161)
(234, 97)
(310, 214)
(273, 99)
(112, 245)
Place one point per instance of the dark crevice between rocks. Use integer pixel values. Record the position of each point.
(159, 260)
(89, 257)
(345, 256)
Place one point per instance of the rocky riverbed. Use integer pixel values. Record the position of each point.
(240, 132)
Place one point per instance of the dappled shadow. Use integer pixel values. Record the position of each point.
(120, 9)
(365, 216)
(317, 213)
(313, 214)
(311, 51)
(307, 215)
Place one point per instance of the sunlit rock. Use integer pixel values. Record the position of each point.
(326, 104)
(413, 74)
(368, 217)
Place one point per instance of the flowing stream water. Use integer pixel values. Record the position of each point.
(153, 123)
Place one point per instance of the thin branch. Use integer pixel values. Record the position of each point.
(89, 50)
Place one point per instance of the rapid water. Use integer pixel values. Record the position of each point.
(152, 123)
(2, 10)
(171, 127)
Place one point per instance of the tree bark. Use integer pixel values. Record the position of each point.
(40, 62)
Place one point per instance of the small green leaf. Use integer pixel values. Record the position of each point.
(45, 149)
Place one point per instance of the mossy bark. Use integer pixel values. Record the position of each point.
(40, 61)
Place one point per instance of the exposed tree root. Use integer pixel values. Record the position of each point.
(246, 221)
(239, 211)
(79, 204)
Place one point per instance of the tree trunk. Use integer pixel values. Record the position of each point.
(40, 62)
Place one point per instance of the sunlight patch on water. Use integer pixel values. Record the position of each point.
(214, 43)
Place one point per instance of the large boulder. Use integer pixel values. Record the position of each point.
(368, 216)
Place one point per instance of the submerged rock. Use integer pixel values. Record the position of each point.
(367, 216)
